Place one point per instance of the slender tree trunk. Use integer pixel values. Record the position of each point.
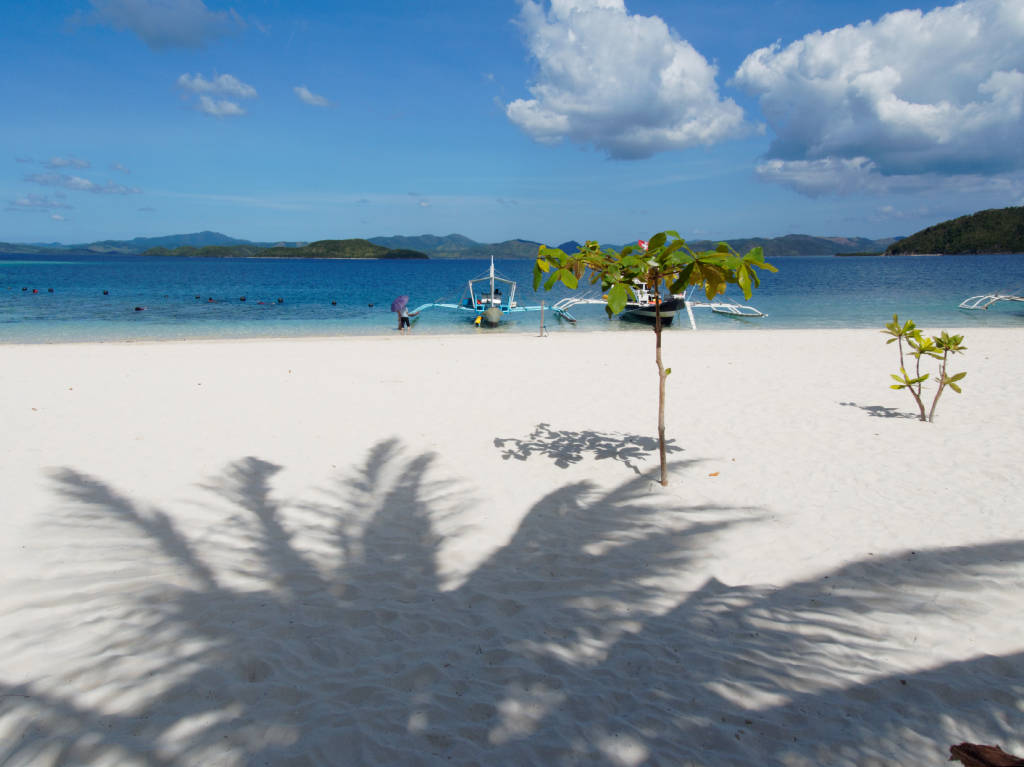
(920, 386)
(661, 385)
(942, 385)
(916, 394)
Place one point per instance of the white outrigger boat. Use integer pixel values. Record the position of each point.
(986, 300)
(642, 306)
(484, 300)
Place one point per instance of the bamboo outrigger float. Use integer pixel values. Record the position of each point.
(986, 300)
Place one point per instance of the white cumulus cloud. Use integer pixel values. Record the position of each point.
(36, 202)
(912, 94)
(79, 184)
(167, 23)
(624, 83)
(222, 84)
(307, 96)
(66, 162)
(219, 107)
(837, 175)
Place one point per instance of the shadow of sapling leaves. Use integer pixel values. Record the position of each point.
(880, 411)
(569, 447)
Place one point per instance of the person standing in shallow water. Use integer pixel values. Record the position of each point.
(403, 320)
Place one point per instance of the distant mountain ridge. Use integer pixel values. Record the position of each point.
(449, 246)
(987, 231)
(138, 245)
(458, 246)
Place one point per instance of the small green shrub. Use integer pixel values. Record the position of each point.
(937, 347)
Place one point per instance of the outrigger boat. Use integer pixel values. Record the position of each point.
(484, 300)
(985, 301)
(645, 307)
(642, 306)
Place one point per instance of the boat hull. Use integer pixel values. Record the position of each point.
(646, 312)
(493, 315)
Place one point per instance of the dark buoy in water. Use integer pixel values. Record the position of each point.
(140, 308)
(49, 290)
(197, 298)
(370, 305)
(106, 292)
(24, 289)
(209, 300)
(35, 290)
(242, 298)
(334, 303)
(280, 300)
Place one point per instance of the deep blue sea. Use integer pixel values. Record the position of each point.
(336, 297)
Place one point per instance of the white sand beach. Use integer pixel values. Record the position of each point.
(453, 550)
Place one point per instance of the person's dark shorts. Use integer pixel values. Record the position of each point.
(403, 322)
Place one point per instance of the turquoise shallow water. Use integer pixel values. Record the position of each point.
(327, 298)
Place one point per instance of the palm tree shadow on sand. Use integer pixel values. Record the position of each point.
(325, 633)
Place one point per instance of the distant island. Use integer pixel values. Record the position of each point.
(988, 231)
(457, 246)
(354, 248)
(215, 244)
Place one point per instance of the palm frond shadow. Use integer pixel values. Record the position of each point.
(313, 634)
(566, 447)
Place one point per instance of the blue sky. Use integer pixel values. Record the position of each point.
(571, 119)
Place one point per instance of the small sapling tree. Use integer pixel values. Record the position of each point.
(665, 265)
(937, 347)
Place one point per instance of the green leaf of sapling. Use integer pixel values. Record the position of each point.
(617, 297)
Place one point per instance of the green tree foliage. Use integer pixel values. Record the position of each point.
(988, 231)
(667, 266)
(937, 347)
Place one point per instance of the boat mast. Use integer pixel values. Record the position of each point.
(492, 276)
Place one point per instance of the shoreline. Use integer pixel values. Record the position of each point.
(634, 330)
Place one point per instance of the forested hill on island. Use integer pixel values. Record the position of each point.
(988, 231)
(320, 249)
